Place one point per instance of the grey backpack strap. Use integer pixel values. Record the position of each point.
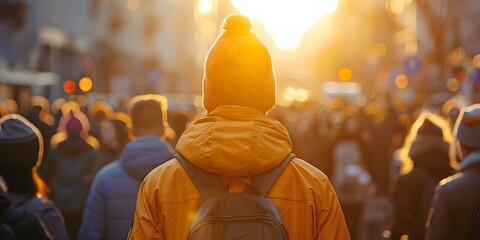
(263, 182)
(207, 183)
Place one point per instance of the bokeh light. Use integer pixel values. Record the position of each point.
(401, 81)
(301, 95)
(133, 4)
(69, 86)
(453, 85)
(290, 94)
(396, 6)
(286, 21)
(461, 76)
(345, 74)
(379, 49)
(476, 61)
(85, 84)
(456, 56)
(361, 101)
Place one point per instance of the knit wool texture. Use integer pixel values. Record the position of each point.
(239, 71)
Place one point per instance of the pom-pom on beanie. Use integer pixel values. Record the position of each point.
(238, 69)
(74, 125)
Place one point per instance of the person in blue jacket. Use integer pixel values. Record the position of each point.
(111, 203)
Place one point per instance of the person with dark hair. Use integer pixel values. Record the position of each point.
(116, 185)
(428, 149)
(98, 112)
(114, 135)
(21, 151)
(234, 142)
(70, 168)
(456, 205)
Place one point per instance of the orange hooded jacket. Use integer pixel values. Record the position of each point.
(234, 141)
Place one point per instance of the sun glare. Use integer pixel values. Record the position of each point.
(286, 20)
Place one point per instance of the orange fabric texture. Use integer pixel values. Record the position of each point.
(235, 141)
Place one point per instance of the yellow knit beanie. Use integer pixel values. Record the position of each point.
(238, 69)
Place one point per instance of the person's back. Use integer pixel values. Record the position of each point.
(236, 141)
(70, 167)
(458, 197)
(116, 186)
(414, 191)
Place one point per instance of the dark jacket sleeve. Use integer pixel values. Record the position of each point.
(440, 223)
(94, 214)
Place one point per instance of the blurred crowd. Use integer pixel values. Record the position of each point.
(384, 157)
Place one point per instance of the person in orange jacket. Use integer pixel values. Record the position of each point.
(236, 139)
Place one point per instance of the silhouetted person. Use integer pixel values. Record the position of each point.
(413, 192)
(456, 204)
(71, 166)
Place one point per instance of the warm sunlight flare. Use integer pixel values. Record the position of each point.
(286, 20)
(205, 6)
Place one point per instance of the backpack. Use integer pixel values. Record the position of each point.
(245, 215)
(19, 224)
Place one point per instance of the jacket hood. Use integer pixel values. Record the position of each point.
(471, 161)
(235, 141)
(143, 155)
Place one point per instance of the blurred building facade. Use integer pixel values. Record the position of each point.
(124, 46)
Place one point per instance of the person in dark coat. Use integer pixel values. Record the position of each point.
(455, 211)
(71, 167)
(430, 155)
(116, 185)
(21, 152)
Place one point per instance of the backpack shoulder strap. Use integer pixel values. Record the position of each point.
(264, 181)
(207, 183)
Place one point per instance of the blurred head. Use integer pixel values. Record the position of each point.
(467, 130)
(21, 151)
(238, 69)
(41, 102)
(100, 110)
(114, 133)
(148, 113)
(429, 132)
(8, 106)
(451, 109)
(74, 123)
